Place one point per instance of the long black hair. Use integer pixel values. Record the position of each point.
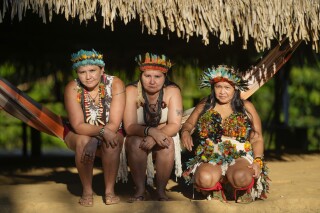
(237, 104)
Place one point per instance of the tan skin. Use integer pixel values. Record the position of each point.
(159, 141)
(82, 140)
(240, 174)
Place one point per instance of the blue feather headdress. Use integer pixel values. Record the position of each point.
(223, 73)
(87, 57)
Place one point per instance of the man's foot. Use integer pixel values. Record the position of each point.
(86, 200)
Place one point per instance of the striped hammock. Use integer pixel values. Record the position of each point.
(21, 106)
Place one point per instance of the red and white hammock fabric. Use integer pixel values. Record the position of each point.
(268, 66)
(21, 106)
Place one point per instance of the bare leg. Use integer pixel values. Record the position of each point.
(207, 181)
(77, 143)
(207, 175)
(239, 175)
(110, 161)
(164, 164)
(137, 159)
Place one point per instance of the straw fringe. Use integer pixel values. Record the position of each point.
(260, 20)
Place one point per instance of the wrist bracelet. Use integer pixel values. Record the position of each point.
(146, 131)
(101, 132)
(259, 161)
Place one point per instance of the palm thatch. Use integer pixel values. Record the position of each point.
(260, 20)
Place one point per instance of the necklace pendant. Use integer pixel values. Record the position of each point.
(93, 114)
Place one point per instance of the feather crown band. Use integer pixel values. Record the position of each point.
(223, 73)
(87, 57)
(153, 62)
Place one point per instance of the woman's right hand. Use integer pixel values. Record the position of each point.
(187, 140)
(110, 138)
(89, 151)
(160, 138)
(147, 143)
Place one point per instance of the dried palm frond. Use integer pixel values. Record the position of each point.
(260, 20)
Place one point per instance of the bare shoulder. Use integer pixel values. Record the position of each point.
(117, 81)
(172, 89)
(118, 86)
(72, 85)
(130, 89)
(249, 106)
(200, 106)
(247, 103)
(203, 101)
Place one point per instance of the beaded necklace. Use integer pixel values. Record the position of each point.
(94, 114)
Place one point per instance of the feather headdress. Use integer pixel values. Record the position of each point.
(223, 73)
(151, 61)
(87, 57)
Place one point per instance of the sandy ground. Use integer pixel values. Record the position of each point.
(52, 185)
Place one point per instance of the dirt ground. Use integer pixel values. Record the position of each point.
(52, 185)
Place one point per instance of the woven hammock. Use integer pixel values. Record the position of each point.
(260, 20)
(21, 106)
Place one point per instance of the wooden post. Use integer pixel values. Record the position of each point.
(35, 143)
(24, 140)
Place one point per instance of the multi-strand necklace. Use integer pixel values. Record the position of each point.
(153, 107)
(152, 112)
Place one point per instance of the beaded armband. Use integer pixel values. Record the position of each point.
(259, 161)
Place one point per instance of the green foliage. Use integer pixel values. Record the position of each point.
(314, 136)
(304, 97)
(263, 100)
(11, 131)
(187, 77)
(7, 69)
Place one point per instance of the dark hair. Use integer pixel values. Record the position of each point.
(237, 104)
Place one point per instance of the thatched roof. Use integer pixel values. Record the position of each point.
(260, 20)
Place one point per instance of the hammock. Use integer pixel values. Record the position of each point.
(21, 106)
